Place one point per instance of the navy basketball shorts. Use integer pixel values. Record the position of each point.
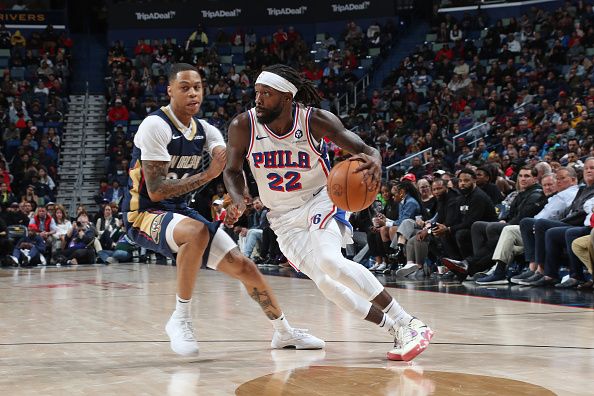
(153, 230)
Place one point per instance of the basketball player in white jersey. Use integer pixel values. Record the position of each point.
(283, 141)
(164, 168)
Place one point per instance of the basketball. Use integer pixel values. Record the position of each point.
(347, 189)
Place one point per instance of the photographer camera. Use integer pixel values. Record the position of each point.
(80, 243)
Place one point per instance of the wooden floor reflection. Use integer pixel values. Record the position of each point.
(399, 379)
(100, 331)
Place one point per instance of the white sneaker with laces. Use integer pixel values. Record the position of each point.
(296, 338)
(181, 336)
(410, 340)
(407, 270)
(374, 266)
(381, 267)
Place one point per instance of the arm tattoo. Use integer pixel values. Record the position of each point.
(265, 302)
(155, 175)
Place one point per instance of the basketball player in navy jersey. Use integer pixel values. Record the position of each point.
(165, 167)
(282, 138)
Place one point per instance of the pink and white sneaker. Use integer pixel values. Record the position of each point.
(410, 340)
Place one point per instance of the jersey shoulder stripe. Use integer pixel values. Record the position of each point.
(252, 132)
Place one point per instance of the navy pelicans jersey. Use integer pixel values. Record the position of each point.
(183, 151)
(289, 169)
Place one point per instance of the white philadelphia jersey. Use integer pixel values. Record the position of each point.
(289, 169)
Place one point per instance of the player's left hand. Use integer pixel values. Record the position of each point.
(371, 168)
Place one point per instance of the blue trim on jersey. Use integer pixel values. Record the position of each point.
(324, 155)
(340, 216)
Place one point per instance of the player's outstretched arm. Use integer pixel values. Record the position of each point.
(237, 146)
(160, 187)
(325, 124)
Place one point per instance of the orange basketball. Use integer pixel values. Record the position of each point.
(347, 189)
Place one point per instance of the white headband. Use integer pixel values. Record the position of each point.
(277, 82)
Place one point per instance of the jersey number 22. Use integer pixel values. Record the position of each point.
(288, 182)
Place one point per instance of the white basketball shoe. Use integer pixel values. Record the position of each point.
(410, 340)
(296, 338)
(181, 336)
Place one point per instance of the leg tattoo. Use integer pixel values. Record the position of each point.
(265, 302)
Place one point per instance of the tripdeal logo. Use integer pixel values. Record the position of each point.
(221, 13)
(351, 7)
(287, 11)
(153, 16)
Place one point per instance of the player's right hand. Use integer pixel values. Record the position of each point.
(234, 212)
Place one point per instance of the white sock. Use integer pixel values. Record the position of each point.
(387, 322)
(397, 313)
(281, 324)
(183, 307)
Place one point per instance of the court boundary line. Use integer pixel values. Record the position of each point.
(268, 341)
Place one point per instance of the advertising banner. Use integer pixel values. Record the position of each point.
(239, 13)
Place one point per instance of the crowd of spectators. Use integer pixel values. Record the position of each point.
(36, 69)
(229, 64)
(522, 90)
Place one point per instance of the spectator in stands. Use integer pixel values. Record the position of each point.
(45, 224)
(583, 248)
(198, 38)
(417, 169)
(108, 228)
(143, 52)
(372, 30)
(353, 35)
(466, 120)
(117, 113)
(52, 114)
(115, 193)
(547, 236)
(30, 196)
(252, 234)
(510, 242)
(63, 226)
(455, 34)
(474, 205)
(80, 241)
(417, 248)
(122, 251)
(220, 212)
(410, 206)
(18, 42)
(6, 196)
(14, 216)
(484, 180)
(28, 250)
(529, 201)
(46, 179)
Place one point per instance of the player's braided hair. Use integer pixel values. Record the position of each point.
(306, 90)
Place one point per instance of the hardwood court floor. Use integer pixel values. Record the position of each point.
(96, 330)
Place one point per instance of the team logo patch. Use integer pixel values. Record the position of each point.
(298, 134)
(156, 228)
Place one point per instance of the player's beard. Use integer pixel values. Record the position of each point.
(270, 115)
